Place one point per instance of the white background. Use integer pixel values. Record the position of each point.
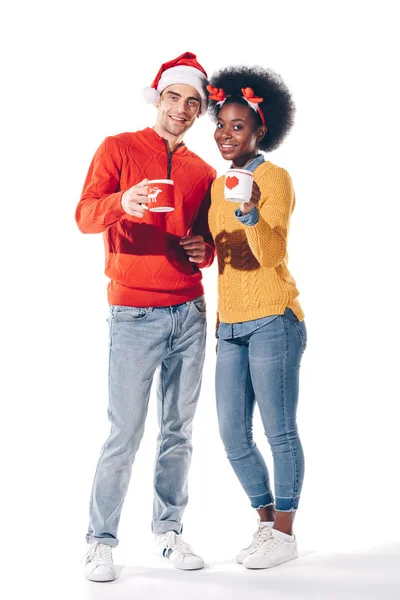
(73, 73)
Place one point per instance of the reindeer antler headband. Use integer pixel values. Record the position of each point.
(253, 101)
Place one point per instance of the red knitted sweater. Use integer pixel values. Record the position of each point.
(144, 261)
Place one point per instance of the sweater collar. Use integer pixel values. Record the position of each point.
(157, 142)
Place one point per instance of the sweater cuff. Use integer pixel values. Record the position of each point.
(250, 219)
(115, 210)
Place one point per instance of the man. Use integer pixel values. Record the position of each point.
(157, 309)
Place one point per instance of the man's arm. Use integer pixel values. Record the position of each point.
(200, 245)
(100, 203)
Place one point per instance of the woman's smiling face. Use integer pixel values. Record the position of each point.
(237, 133)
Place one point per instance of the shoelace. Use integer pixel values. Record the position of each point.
(99, 554)
(175, 543)
(260, 536)
(268, 545)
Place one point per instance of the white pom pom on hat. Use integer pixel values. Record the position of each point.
(151, 95)
(181, 70)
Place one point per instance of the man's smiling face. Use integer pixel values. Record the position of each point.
(177, 108)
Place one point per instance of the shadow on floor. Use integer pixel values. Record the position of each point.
(373, 575)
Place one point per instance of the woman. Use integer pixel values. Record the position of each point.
(261, 332)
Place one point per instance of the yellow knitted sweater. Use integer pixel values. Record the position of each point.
(253, 276)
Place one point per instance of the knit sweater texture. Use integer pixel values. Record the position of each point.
(144, 260)
(253, 276)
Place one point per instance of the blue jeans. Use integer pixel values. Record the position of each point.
(259, 361)
(141, 340)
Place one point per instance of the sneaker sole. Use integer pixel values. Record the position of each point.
(272, 566)
(100, 578)
(188, 568)
(181, 567)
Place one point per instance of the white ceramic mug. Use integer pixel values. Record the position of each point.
(238, 185)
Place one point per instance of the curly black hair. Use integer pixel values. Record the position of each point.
(278, 106)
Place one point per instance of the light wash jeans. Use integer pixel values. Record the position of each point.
(141, 340)
(259, 361)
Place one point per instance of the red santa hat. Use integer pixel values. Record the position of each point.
(182, 70)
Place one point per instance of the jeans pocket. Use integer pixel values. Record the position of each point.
(127, 314)
(302, 331)
(199, 305)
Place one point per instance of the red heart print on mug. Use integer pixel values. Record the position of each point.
(231, 182)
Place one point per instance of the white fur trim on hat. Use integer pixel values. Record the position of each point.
(182, 75)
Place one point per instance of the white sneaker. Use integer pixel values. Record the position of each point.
(263, 532)
(270, 553)
(99, 563)
(170, 546)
